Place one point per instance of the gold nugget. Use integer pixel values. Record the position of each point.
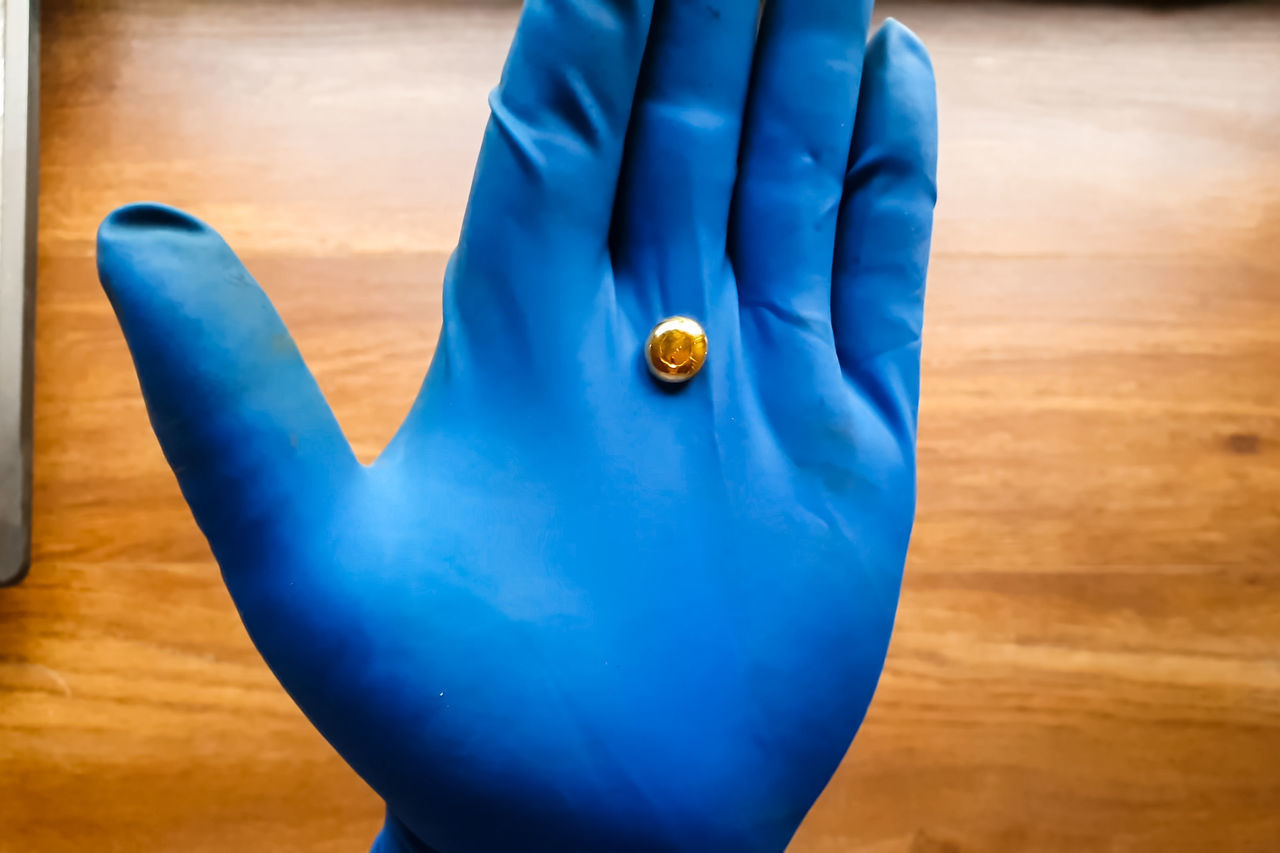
(676, 350)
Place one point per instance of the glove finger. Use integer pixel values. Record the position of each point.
(795, 150)
(241, 420)
(549, 166)
(682, 156)
(886, 221)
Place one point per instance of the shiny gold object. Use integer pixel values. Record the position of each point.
(676, 350)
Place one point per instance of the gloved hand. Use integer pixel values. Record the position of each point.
(569, 609)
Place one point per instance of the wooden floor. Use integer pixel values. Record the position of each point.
(1088, 653)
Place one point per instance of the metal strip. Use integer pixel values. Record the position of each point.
(18, 175)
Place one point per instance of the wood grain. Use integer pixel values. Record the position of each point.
(1088, 652)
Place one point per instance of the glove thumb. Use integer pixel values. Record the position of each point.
(239, 416)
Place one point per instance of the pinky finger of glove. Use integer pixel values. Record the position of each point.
(886, 222)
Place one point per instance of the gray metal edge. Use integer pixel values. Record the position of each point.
(19, 171)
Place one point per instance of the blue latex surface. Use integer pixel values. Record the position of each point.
(569, 609)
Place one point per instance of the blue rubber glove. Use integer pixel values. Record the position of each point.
(569, 609)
